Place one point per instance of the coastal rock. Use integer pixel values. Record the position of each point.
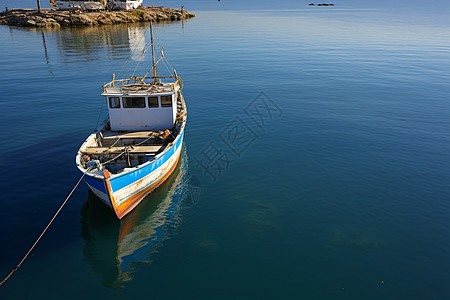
(82, 20)
(104, 20)
(30, 23)
(57, 18)
(64, 22)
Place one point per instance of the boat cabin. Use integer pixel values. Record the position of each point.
(153, 107)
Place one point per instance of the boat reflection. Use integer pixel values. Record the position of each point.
(115, 248)
(108, 42)
(93, 43)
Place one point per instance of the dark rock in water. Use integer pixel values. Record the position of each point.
(57, 18)
(311, 4)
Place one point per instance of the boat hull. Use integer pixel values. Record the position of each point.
(125, 191)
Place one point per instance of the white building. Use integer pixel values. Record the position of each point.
(98, 4)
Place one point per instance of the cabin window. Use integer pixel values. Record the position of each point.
(133, 102)
(114, 102)
(153, 102)
(166, 101)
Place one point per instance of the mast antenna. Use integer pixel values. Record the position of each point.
(153, 54)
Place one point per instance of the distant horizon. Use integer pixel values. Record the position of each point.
(433, 5)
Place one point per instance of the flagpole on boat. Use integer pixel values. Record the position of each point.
(153, 53)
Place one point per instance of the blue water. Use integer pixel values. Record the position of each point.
(315, 163)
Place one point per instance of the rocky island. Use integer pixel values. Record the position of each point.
(57, 18)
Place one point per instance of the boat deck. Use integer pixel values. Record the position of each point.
(131, 150)
(118, 151)
(134, 142)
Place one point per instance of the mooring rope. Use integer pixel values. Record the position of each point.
(99, 115)
(112, 145)
(43, 232)
(114, 158)
(125, 150)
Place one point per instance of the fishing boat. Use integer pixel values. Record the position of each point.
(139, 145)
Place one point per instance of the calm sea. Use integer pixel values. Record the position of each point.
(316, 159)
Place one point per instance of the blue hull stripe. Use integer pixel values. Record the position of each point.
(96, 183)
(120, 182)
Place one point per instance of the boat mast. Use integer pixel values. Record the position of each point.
(153, 53)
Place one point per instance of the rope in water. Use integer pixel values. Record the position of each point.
(43, 232)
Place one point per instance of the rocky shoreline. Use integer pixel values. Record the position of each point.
(59, 18)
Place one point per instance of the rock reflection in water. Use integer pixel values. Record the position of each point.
(115, 248)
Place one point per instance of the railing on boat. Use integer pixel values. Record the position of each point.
(118, 85)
